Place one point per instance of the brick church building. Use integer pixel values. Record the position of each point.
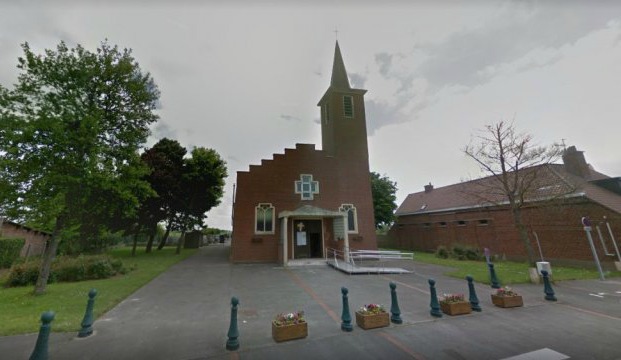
(298, 204)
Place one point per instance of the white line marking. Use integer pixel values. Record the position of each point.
(596, 295)
(541, 354)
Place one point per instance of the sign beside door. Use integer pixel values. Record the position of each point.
(300, 238)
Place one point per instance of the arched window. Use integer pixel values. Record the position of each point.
(264, 215)
(352, 217)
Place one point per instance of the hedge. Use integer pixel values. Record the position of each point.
(9, 251)
(66, 269)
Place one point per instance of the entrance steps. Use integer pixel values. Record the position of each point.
(307, 262)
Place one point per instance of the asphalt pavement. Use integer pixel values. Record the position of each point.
(185, 314)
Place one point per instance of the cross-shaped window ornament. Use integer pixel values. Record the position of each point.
(306, 187)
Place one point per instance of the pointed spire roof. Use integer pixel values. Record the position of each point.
(339, 74)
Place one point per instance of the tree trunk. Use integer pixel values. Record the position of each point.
(135, 243)
(517, 218)
(180, 243)
(48, 256)
(165, 237)
(151, 239)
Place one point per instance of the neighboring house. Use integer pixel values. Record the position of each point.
(562, 195)
(305, 201)
(35, 240)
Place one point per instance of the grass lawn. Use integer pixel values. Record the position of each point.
(21, 310)
(508, 272)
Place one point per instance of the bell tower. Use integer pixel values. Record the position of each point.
(343, 121)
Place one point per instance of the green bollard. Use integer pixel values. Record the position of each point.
(547, 288)
(346, 316)
(492, 276)
(87, 322)
(474, 300)
(435, 305)
(40, 350)
(395, 313)
(233, 343)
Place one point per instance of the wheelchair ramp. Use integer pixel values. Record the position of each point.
(352, 269)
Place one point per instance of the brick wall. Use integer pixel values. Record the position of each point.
(558, 228)
(273, 182)
(34, 240)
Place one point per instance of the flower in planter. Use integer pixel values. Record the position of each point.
(506, 291)
(452, 298)
(371, 309)
(289, 319)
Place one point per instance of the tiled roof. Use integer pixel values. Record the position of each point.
(549, 181)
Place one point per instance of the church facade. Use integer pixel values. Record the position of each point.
(304, 202)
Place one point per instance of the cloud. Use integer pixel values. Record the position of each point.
(384, 61)
(290, 117)
(523, 36)
(357, 80)
(162, 130)
(463, 57)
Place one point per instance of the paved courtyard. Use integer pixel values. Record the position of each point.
(184, 314)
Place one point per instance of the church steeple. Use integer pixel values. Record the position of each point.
(339, 74)
(343, 122)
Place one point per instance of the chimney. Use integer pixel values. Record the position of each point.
(575, 163)
(428, 188)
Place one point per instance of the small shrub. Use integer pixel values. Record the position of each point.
(461, 252)
(473, 253)
(9, 251)
(442, 252)
(67, 269)
(25, 274)
(458, 252)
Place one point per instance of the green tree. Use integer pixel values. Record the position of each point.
(165, 160)
(202, 187)
(384, 199)
(512, 159)
(69, 134)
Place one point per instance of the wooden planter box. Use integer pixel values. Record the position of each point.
(457, 308)
(507, 301)
(372, 321)
(289, 332)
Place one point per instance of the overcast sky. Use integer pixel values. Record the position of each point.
(245, 79)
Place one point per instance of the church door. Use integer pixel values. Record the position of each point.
(307, 239)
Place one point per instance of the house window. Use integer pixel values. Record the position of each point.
(483, 222)
(442, 223)
(264, 215)
(307, 187)
(348, 106)
(461, 223)
(352, 218)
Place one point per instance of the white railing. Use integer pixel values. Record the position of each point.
(380, 255)
(334, 254)
(361, 255)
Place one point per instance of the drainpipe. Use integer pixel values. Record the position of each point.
(346, 243)
(285, 241)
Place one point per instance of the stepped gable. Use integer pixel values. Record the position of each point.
(278, 158)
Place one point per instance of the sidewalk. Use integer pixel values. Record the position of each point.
(185, 313)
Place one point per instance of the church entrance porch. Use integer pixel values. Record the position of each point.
(307, 239)
(308, 230)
